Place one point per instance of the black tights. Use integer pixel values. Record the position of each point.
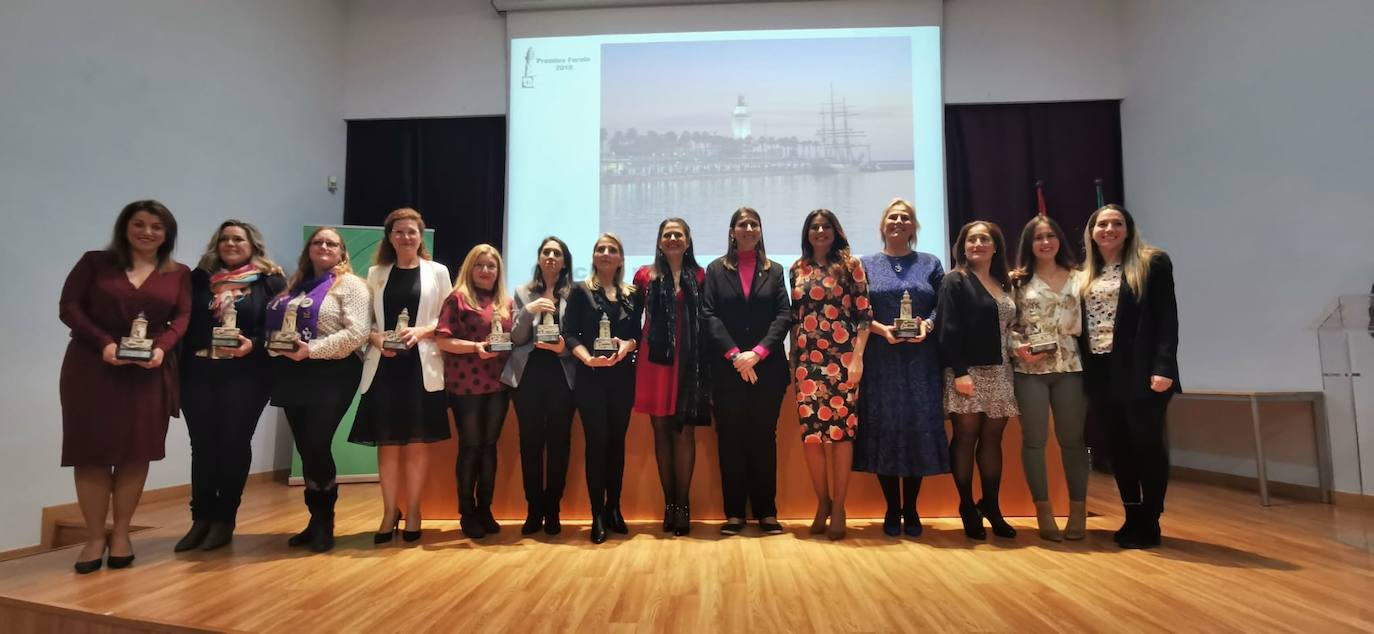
(479, 417)
(676, 450)
(900, 492)
(981, 435)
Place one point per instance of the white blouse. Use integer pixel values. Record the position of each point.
(1041, 310)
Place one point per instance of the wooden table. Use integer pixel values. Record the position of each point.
(1322, 442)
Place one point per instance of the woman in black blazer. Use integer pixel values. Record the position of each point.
(224, 389)
(1130, 362)
(976, 314)
(747, 315)
(604, 389)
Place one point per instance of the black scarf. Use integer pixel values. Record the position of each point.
(693, 406)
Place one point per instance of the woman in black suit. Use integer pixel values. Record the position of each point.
(604, 389)
(1130, 365)
(747, 315)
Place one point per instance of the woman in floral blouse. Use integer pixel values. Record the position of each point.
(1048, 320)
(830, 316)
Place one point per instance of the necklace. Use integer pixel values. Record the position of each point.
(895, 261)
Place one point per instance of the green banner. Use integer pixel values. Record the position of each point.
(356, 463)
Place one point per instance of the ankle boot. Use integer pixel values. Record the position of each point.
(1077, 526)
(194, 537)
(534, 519)
(892, 522)
(1044, 516)
(911, 522)
(1146, 533)
(598, 528)
(682, 525)
(669, 517)
(469, 520)
(993, 512)
(323, 539)
(615, 521)
(221, 533)
(1129, 527)
(489, 524)
(304, 537)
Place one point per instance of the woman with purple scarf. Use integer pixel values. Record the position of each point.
(316, 372)
(224, 388)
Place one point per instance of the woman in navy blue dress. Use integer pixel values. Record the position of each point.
(902, 438)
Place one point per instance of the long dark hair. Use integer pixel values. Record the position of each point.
(689, 257)
(732, 251)
(998, 266)
(839, 248)
(564, 281)
(119, 242)
(1025, 254)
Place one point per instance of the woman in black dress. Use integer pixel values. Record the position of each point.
(403, 406)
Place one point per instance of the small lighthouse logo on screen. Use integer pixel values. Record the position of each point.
(527, 80)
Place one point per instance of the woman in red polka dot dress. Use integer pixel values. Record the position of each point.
(472, 376)
(830, 316)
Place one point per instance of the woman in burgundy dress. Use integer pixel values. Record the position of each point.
(115, 411)
(670, 377)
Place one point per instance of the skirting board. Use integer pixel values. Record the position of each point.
(1302, 492)
(52, 514)
(296, 481)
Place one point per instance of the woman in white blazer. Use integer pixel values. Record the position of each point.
(403, 405)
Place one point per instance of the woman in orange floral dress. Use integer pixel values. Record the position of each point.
(830, 316)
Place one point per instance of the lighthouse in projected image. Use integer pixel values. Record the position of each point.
(739, 121)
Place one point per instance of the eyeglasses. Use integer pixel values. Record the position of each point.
(325, 244)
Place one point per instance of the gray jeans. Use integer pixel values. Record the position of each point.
(1035, 395)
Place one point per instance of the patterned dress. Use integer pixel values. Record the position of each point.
(829, 311)
(993, 391)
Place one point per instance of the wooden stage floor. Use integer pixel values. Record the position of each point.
(1227, 565)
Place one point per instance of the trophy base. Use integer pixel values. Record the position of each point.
(499, 346)
(134, 354)
(395, 346)
(220, 340)
(550, 335)
(1043, 347)
(283, 346)
(605, 348)
(906, 329)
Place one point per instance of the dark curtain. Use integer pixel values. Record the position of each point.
(996, 152)
(452, 170)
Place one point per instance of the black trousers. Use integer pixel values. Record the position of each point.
(1137, 437)
(315, 394)
(544, 410)
(480, 418)
(746, 431)
(222, 400)
(605, 397)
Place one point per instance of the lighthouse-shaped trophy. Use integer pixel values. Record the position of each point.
(391, 340)
(137, 346)
(226, 335)
(546, 331)
(604, 345)
(498, 340)
(906, 326)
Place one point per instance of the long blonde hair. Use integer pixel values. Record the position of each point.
(465, 287)
(303, 263)
(594, 282)
(1136, 253)
(210, 261)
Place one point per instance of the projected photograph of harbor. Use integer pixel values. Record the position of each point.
(697, 129)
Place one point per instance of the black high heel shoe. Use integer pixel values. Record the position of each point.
(999, 524)
(410, 536)
(116, 563)
(598, 529)
(973, 522)
(615, 522)
(382, 538)
(90, 565)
